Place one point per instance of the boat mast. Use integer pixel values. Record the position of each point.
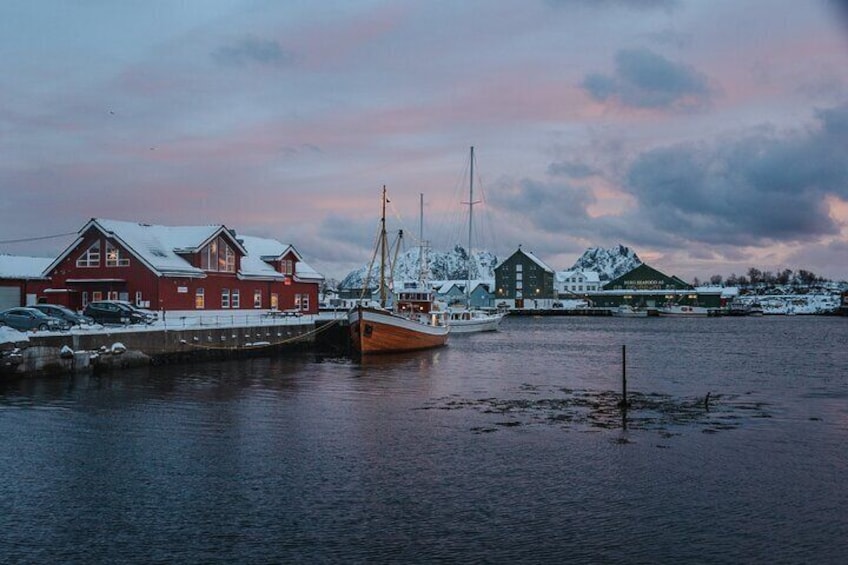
(471, 204)
(383, 251)
(422, 260)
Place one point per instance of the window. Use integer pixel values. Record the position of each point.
(304, 302)
(287, 266)
(297, 301)
(199, 299)
(84, 298)
(257, 299)
(113, 257)
(235, 299)
(91, 257)
(519, 268)
(519, 276)
(218, 256)
(275, 301)
(112, 295)
(225, 298)
(96, 296)
(139, 301)
(519, 285)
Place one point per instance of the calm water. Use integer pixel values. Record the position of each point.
(503, 447)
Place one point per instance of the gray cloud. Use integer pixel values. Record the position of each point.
(632, 4)
(753, 190)
(572, 169)
(252, 50)
(549, 206)
(644, 79)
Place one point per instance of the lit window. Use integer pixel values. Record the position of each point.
(218, 256)
(257, 299)
(113, 257)
(96, 296)
(91, 257)
(275, 301)
(199, 299)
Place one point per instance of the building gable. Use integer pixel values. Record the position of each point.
(645, 277)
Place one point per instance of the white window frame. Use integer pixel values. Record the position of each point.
(235, 299)
(113, 256)
(200, 299)
(225, 298)
(257, 298)
(91, 257)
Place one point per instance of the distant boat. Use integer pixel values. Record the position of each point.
(628, 311)
(467, 319)
(683, 310)
(408, 326)
(471, 320)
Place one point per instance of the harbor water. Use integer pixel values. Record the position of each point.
(502, 447)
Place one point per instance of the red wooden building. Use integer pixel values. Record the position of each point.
(21, 280)
(181, 268)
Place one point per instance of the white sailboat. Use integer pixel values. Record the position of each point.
(467, 319)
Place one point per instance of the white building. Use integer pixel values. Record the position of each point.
(567, 283)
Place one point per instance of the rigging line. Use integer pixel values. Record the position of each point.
(26, 239)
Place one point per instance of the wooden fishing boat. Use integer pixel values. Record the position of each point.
(409, 325)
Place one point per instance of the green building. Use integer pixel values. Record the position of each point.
(523, 276)
(646, 287)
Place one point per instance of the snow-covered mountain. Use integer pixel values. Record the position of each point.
(443, 266)
(608, 263)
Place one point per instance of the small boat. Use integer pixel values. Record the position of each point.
(682, 310)
(410, 325)
(463, 321)
(628, 311)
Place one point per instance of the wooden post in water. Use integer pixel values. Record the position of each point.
(624, 403)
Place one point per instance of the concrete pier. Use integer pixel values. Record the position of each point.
(125, 347)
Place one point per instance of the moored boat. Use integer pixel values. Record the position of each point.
(470, 320)
(682, 310)
(628, 311)
(409, 325)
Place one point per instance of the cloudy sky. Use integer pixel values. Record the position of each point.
(708, 135)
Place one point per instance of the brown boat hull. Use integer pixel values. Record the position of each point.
(375, 331)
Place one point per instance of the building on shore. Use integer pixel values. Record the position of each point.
(21, 280)
(180, 268)
(522, 278)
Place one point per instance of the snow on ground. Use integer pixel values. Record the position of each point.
(10, 335)
(794, 303)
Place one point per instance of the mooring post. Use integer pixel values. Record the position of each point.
(624, 375)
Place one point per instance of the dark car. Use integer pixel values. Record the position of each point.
(24, 319)
(115, 312)
(64, 313)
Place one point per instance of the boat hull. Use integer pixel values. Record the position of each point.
(685, 311)
(374, 331)
(474, 323)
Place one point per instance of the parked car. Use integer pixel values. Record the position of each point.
(115, 312)
(24, 319)
(64, 313)
(149, 314)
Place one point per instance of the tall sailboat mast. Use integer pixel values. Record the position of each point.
(471, 202)
(383, 252)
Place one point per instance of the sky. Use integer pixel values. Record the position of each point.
(709, 136)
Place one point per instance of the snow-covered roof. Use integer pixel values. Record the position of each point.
(260, 249)
(160, 248)
(588, 276)
(538, 261)
(18, 267)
